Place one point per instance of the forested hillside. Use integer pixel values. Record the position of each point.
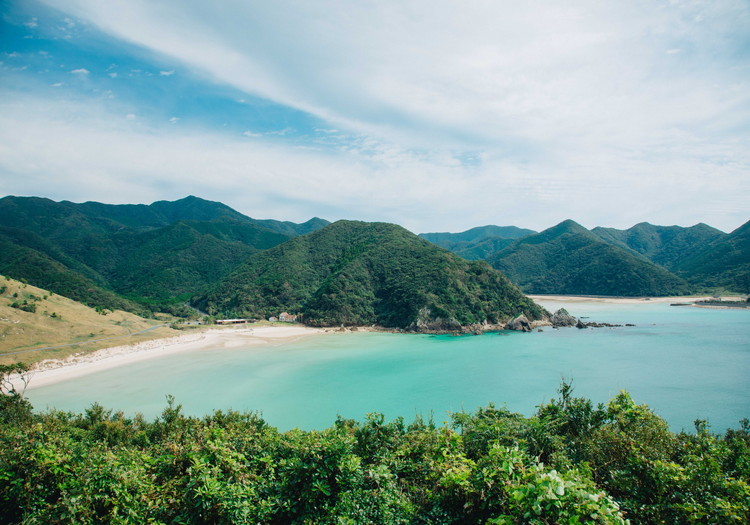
(569, 259)
(697, 259)
(724, 263)
(26, 256)
(667, 246)
(478, 243)
(357, 273)
(155, 256)
(571, 462)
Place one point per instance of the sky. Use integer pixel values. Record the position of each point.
(438, 115)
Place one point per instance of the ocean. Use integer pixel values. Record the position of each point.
(685, 363)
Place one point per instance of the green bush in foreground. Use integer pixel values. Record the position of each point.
(570, 463)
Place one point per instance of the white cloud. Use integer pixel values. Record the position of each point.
(98, 157)
(80, 71)
(423, 71)
(584, 110)
(166, 73)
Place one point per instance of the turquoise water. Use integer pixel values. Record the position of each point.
(685, 363)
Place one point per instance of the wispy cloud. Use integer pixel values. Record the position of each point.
(101, 157)
(440, 113)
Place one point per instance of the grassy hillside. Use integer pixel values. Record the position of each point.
(569, 259)
(359, 273)
(725, 263)
(32, 318)
(667, 246)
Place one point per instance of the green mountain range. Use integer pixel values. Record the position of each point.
(667, 246)
(724, 263)
(697, 259)
(569, 259)
(154, 255)
(356, 273)
(478, 243)
(157, 257)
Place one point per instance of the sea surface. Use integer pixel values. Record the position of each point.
(685, 363)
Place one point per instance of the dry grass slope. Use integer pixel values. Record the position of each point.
(43, 325)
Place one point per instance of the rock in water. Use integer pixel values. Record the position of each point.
(520, 323)
(563, 318)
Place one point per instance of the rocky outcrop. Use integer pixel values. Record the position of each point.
(582, 325)
(563, 318)
(520, 324)
(426, 323)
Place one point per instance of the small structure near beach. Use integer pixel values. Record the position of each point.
(234, 321)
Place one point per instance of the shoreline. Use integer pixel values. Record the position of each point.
(628, 300)
(50, 371)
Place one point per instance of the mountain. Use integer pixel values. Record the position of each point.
(293, 229)
(667, 246)
(724, 263)
(357, 273)
(29, 257)
(479, 242)
(158, 254)
(173, 263)
(569, 259)
(51, 219)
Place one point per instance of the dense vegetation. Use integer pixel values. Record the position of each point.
(704, 257)
(357, 273)
(571, 462)
(156, 255)
(667, 246)
(45, 271)
(724, 263)
(569, 259)
(478, 243)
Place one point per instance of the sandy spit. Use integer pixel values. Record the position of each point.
(55, 370)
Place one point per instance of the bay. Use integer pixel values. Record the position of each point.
(685, 363)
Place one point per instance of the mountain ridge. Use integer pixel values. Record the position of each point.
(357, 273)
(569, 259)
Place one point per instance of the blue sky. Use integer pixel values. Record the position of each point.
(438, 115)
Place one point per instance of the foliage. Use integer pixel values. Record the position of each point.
(569, 259)
(38, 268)
(359, 273)
(156, 255)
(724, 263)
(667, 246)
(569, 463)
(478, 243)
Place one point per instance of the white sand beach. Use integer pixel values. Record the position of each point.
(55, 370)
